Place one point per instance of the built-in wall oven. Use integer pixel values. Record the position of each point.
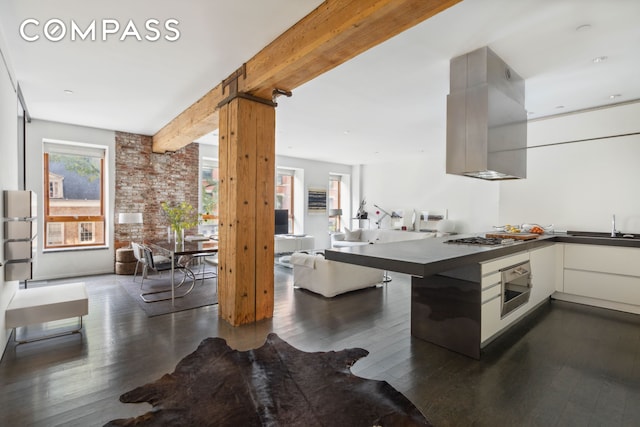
(516, 287)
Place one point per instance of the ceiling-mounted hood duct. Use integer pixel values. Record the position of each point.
(486, 118)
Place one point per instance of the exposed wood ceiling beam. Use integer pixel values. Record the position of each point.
(333, 33)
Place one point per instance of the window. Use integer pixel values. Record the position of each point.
(85, 230)
(334, 202)
(55, 234)
(209, 185)
(284, 193)
(56, 189)
(74, 211)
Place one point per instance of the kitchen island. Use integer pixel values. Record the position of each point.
(456, 292)
(448, 295)
(426, 257)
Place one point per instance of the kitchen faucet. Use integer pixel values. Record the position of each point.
(613, 226)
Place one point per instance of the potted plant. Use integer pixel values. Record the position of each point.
(181, 217)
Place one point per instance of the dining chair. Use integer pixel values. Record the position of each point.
(137, 253)
(201, 261)
(159, 263)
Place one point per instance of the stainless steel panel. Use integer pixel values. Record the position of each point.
(477, 130)
(504, 78)
(18, 230)
(18, 204)
(516, 287)
(477, 67)
(18, 271)
(492, 132)
(456, 133)
(458, 74)
(512, 304)
(17, 250)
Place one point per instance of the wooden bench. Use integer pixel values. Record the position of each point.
(46, 304)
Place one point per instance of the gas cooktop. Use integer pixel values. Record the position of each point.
(487, 241)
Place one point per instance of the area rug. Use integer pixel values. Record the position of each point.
(274, 385)
(203, 294)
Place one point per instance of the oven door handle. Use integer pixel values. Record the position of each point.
(521, 271)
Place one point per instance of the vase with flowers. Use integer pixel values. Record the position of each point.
(181, 216)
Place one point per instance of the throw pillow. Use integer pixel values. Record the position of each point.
(351, 236)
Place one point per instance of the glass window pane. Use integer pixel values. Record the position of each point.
(74, 212)
(74, 185)
(209, 185)
(334, 202)
(284, 194)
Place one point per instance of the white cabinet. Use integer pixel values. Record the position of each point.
(609, 273)
(491, 322)
(603, 259)
(546, 266)
(608, 287)
(545, 269)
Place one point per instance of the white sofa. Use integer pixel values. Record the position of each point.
(330, 278)
(365, 236)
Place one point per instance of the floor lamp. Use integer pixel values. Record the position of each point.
(129, 218)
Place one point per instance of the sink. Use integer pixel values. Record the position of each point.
(603, 235)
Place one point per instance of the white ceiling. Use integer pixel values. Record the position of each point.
(386, 104)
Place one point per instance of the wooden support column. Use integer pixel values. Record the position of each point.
(246, 209)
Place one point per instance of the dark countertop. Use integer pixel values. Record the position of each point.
(425, 257)
(595, 238)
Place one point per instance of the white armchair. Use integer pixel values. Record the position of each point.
(330, 278)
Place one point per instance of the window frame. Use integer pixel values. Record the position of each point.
(210, 223)
(48, 233)
(82, 232)
(334, 178)
(74, 219)
(281, 172)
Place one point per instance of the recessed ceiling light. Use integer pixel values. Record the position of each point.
(559, 106)
(347, 132)
(614, 96)
(598, 59)
(68, 91)
(584, 27)
(530, 112)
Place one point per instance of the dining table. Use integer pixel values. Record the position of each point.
(196, 246)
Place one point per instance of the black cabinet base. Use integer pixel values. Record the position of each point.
(446, 311)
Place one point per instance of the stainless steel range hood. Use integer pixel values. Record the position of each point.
(486, 118)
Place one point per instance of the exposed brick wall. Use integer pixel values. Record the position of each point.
(145, 179)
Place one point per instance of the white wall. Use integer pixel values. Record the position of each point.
(579, 185)
(313, 174)
(8, 171)
(62, 264)
(420, 183)
(316, 175)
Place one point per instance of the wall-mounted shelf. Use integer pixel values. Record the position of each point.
(19, 234)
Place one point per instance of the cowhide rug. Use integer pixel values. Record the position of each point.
(274, 385)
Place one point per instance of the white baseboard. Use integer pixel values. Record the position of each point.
(628, 308)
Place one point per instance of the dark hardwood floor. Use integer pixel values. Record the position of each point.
(566, 365)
